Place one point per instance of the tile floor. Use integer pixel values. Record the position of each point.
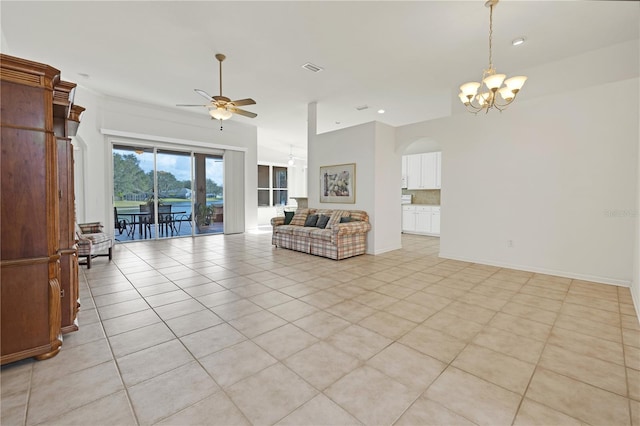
(228, 330)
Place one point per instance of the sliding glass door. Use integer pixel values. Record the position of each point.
(164, 193)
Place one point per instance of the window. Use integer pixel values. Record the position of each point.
(272, 186)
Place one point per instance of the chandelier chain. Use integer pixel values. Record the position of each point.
(490, 37)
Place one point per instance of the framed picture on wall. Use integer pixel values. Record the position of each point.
(338, 183)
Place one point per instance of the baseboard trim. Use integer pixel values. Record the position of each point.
(385, 250)
(528, 268)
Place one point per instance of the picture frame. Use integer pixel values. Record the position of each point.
(338, 183)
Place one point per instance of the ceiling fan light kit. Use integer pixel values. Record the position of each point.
(493, 83)
(220, 107)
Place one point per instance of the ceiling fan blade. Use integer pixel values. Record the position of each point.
(242, 102)
(189, 105)
(203, 94)
(222, 98)
(242, 112)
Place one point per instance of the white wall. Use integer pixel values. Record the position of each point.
(94, 204)
(548, 174)
(371, 146)
(635, 282)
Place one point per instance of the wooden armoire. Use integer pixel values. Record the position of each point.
(38, 255)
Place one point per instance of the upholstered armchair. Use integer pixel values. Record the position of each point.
(92, 241)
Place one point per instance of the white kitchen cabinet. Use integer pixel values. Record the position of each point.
(408, 219)
(404, 172)
(419, 219)
(435, 220)
(423, 171)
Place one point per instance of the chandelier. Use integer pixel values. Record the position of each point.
(493, 83)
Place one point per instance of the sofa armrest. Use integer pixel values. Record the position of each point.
(277, 221)
(91, 227)
(350, 228)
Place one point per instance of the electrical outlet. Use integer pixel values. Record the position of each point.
(510, 243)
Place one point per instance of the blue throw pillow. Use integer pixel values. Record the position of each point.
(287, 217)
(312, 219)
(322, 221)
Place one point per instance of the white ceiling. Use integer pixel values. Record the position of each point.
(405, 57)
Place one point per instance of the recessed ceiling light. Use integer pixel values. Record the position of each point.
(380, 111)
(518, 41)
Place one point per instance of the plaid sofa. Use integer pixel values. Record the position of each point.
(336, 241)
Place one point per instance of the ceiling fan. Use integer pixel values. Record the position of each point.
(220, 107)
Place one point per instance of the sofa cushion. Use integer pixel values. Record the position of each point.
(312, 219)
(322, 221)
(300, 217)
(287, 217)
(302, 231)
(320, 234)
(284, 229)
(335, 217)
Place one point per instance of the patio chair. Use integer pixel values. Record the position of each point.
(92, 241)
(120, 224)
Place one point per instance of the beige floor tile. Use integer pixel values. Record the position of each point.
(473, 398)
(410, 311)
(521, 326)
(493, 303)
(70, 360)
(191, 323)
(113, 409)
(129, 322)
(594, 302)
(589, 327)
(455, 326)
(375, 300)
(14, 408)
(408, 366)
(577, 399)
(218, 298)
(211, 340)
(285, 341)
(359, 342)
(236, 362)
(116, 297)
(293, 310)
(253, 325)
(632, 357)
(140, 338)
(536, 301)
(591, 313)
(204, 289)
(237, 309)
(630, 322)
(321, 411)
(153, 290)
(587, 345)
(372, 397)
(631, 337)
(170, 392)
(530, 313)
(469, 312)
(322, 324)
(633, 378)
(217, 409)
(635, 412)
(145, 364)
(351, 311)
(167, 298)
(445, 291)
(495, 367)
(429, 300)
(434, 343)
(16, 377)
(270, 299)
(520, 347)
(322, 299)
(47, 402)
(425, 412)
(590, 370)
(387, 325)
(251, 290)
(544, 289)
(87, 316)
(628, 309)
(271, 394)
(321, 364)
(533, 414)
(487, 290)
(394, 290)
(299, 290)
(178, 309)
(122, 308)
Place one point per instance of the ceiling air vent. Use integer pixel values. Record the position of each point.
(362, 107)
(311, 67)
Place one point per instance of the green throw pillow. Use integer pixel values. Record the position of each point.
(322, 221)
(287, 217)
(312, 219)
